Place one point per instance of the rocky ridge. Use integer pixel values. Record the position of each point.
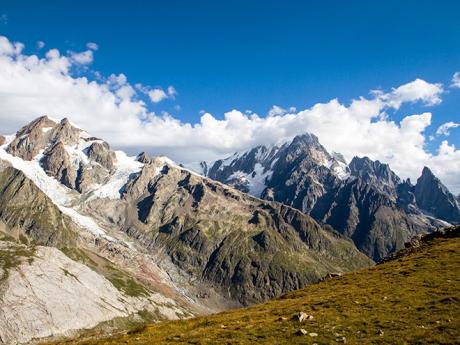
(364, 200)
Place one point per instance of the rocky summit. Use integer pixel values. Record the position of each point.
(119, 240)
(364, 200)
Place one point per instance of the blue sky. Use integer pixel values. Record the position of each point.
(252, 55)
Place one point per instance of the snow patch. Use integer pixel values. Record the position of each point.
(60, 195)
(340, 169)
(125, 167)
(254, 180)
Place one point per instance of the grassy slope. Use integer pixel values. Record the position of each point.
(414, 299)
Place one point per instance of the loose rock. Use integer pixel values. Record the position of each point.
(302, 332)
(303, 316)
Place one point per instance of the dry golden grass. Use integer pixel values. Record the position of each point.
(412, 300)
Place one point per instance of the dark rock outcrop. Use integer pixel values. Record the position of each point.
(375, 173)
(101, 153)
(433, 197)
(56, 163)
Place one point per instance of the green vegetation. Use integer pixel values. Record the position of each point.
(413, 299)
(120, 279)
(12, 256)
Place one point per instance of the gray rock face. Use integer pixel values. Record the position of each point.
(32, 138)
(364, 200)
(433, 197)
(44, 293)
(375, 173)
(66, 133)
(56, 162)
(144, 157)
(372, 219)
(87, 176)
(101, 153)
(2, 140)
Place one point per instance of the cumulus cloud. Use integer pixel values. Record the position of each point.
(445, 127)
(276, 111)
(111, 108)
(417, 90)
(82, 58)
(456, 80)
(157, 95)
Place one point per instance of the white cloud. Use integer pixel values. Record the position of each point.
(111, 108)
(417, 90)
(40, 44)
(157, 95)
(456, 80)
(82, 58)
(8, 48)
(276, 111)
(92, 46)
(445, 127)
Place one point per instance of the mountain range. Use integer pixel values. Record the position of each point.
(363, 200)
(89, 236)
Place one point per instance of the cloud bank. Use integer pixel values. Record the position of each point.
(111, 108)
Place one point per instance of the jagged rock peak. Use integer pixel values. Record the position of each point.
(373, 171)
(144, 157)
(66, 133)
(306, 138)
(430, 180)
(433, 197)
(41, 134)
(427, 173)
(41, 122)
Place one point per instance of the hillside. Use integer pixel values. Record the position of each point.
(414, 298)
